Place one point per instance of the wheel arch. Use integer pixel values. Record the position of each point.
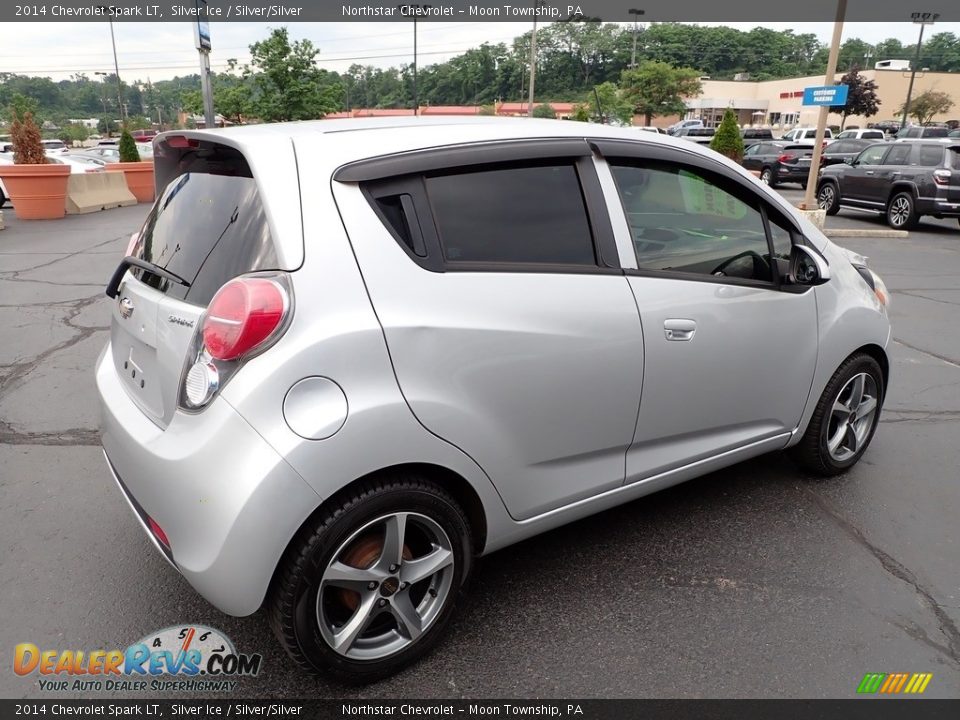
(880, 355)
(900, 186)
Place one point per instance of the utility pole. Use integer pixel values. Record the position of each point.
(201, 30)
(116, 68)
(533, 61)
(416, 96)
(809, 199)
(636, 12)
(923, 19)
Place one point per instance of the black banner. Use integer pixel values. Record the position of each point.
(853, 709)
(280, 11)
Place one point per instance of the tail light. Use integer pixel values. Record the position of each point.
(158, 532)
(786, 157)
(242, 314)
(942, 177)
(244, 318)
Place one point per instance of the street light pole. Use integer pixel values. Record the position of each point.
(416, 96)
(533, 60)
(116, 68)
(636, 12)
(923, 19)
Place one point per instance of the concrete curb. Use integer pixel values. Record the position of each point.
(864, 233)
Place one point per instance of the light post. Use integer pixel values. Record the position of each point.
(922, 19)
(414, 10)
(533, 58)
(636, 12)
(116, 65)
(103, 101)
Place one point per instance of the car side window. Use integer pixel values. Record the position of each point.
(898, 155)
(753, 150)
(872, 155)
(512, 214)
(684, 220)
(930, 155)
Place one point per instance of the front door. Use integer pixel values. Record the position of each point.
(859, 180)
(728, 355)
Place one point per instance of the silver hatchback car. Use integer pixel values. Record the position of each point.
(348, 357)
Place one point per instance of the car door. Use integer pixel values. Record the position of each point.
(752, 156)
(856, 180)
(513, 333)
(729, 353)
(895, 162)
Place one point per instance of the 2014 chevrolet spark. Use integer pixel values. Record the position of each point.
(348, 357)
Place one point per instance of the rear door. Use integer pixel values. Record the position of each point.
(207, 226)
(513, 332)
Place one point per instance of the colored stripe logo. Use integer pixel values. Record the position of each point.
(894, 683)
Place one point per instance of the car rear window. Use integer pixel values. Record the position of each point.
(514, 214)
(935, 132)
(931, 155)
(207, 229)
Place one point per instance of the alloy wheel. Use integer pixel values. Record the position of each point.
(826, 197)
(385, 585)
(899, 211)
(852, 417)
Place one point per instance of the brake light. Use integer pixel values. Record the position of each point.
(242, 315)
(179, 141)
(786, 157)
(158, 532)
(942, 177)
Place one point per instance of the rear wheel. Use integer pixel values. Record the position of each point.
(845, 418)
(767, 177)
(827, 198)
(902, 212)
(369, 586)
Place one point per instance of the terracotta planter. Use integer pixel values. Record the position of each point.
(139, 176)
(38, 192)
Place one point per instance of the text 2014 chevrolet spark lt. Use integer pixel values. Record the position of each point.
(347, 357)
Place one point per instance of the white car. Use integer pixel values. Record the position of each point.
(78, 165)
(862, 134)
(807, 136)
(5, 159)
(55, 147)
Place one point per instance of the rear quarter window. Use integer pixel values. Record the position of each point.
(930, 155)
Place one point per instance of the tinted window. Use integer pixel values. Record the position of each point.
(955, 159)
(681, 221)
(207, 229)
(930, 155)
(872, 155)
(872, 135)
(512, 215)
(935, 132)
(898, 155)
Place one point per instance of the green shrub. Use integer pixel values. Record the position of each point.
(544, 110)
(128, 148)
(727, 140)
(27, 145)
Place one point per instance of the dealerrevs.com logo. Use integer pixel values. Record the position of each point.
(185, 658)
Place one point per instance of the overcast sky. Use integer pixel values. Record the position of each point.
(159, 51)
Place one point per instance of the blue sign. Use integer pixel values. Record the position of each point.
(826, 95)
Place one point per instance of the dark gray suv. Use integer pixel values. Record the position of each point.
(903, 181)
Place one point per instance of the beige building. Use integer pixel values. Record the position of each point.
(779, 103)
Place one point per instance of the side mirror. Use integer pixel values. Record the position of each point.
(807, 267)
(849, 160)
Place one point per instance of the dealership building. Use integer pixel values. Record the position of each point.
(779, 103)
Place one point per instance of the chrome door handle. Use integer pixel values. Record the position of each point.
(869, 172)
(679, 329)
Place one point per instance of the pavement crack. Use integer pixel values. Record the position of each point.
(898, 570)
(74, 437)
(62, 256)
(943, 358)
(920, 416)
(924, 297)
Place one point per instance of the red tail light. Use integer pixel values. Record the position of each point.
(242, 314)
(179, 141)
(158, 532)
(942, 177)
(786, 158)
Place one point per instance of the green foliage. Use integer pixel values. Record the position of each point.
(27, 145)
(233, 102)
(544, 110)
(106, 125)
(581, 112)
(73, 132)
(727, 140)
(861, 97)
(925, 106)
(128, 148)
(20, 105)
(488, 110)
(614, 105)
(286, 82)
(657, 88)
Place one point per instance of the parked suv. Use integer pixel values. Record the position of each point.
(923, 132)
(779, 162)
(862, 134)
(903, 180)
(348, 356)
(807, 135)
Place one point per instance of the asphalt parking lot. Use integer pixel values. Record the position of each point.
(751, 582)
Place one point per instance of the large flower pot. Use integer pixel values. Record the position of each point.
(38, 192)
(139, 177)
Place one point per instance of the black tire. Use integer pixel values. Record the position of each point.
(812, 453)
(768, 178)
(292, 604)
(828, 198)
(902, 212)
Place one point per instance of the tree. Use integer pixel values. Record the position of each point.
(928, 104)
(545, 110)
(657, 88)
(861, 97)
(286, 82)
(613, 104)
(727, 140)
(232, 102)
(581, 112)
(128, 148)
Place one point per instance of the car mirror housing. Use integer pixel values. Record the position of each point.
(807, 267)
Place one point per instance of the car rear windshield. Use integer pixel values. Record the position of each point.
(935, 132)
(206, 228)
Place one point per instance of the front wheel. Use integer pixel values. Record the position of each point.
(827, 198)
(369, 586)
(845, 418)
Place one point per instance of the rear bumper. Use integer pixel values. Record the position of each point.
(227, 502)
(938, 206)
(791, 174)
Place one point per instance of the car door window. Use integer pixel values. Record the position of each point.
(753, 150)
(872, 155)
(518, 214)
(898, 155)
(684, 220)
